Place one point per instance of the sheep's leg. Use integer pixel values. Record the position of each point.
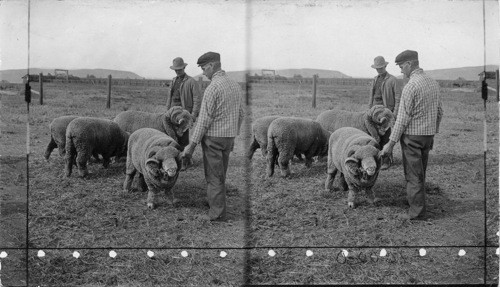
(284, 162)
(351, 196)
(253, 147)
(81, 161)
(129, 177)
(330, 177)
(106, 159)
(50, 147)
(343, 183)
(152, 192)
(142, 182)
(70, 157)
(272, 157)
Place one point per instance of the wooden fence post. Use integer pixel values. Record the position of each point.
(108, 104)
(41, 87)
(315, 79)
(498, 92)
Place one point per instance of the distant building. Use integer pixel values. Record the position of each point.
(489, 75)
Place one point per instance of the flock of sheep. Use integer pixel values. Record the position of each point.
(351, 140)
(149, 140)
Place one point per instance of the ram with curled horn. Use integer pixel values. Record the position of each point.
(357, 157)
(175, 122)
(155, 158)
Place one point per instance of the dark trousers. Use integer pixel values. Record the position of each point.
(216, 152)
(415, 150)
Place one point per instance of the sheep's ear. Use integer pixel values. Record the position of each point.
(153, 166)
(352, 165)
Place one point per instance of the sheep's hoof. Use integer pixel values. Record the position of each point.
(350, 204)
(151, 205)
(376, 200)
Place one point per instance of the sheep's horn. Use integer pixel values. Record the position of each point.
(180, 121)
(152, 160)
(382, 120)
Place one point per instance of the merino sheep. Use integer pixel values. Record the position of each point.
(375, 121)
(288, 136)
(174, 122)
(58, 135)
(259, 132)
(156, 157)
(357, 156)
(86, 136)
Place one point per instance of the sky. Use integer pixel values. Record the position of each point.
(144, 36)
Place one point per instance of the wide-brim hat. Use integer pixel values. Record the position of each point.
(178, 64)
(379, 62)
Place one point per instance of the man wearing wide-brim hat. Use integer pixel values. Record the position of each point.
(184, 92)
(385, 91)
(419, 116)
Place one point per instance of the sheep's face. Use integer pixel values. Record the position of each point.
(363, 163)
(163, 163)
(181, 119)
(382, 117)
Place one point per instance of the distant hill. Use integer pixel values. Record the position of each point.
(15, 76)
(468, 73)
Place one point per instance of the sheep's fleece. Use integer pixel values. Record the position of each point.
(357, 156)
(174, 122)
(375, 121)
(86, 136)
(288, 136)
(58, 135)
(156, 158)
(259, 135)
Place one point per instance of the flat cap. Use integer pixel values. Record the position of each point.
(208, 57)
(407, 55)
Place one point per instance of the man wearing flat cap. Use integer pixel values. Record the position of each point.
(385, 91)
(219, 122)
(419, 116)
(184, 92)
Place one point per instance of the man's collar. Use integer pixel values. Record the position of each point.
(416, 71)
(383, 75)
(219, 73)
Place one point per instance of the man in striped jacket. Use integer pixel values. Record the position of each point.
(219, 122)
(418, 119)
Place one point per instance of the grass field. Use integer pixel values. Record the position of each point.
(290, 216)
